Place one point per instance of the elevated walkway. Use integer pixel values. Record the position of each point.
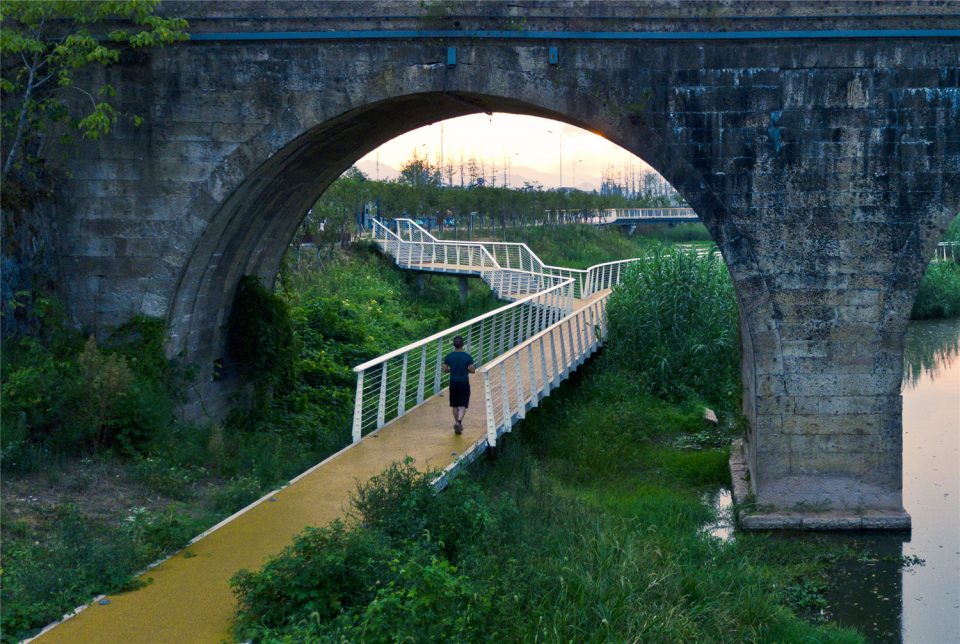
(554, 321)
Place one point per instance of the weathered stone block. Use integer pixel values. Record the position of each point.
(868, 443)
(818, 462)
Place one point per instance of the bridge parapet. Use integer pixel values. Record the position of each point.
(557, 16)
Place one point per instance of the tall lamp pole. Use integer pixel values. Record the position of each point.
(560, 133)
(575, 172)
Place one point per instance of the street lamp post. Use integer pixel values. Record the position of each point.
(575, 172)
(559, 132)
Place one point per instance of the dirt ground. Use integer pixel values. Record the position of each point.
(103, 489)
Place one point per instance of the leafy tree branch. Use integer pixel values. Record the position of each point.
(45, 43)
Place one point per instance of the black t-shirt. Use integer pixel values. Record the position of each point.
(458, 361)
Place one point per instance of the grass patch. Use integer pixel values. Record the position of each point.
(514, 553)
(939, 293)
(70, 405)
(673, 324)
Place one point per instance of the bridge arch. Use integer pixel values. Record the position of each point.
(252, 229)
(824, 165)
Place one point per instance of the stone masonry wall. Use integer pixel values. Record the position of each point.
(825, 169)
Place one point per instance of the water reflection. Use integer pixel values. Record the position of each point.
(867, 593)
(722, 503)
(884, 599)
(931, 484)
(931, 347)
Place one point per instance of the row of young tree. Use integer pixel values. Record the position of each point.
(420, 192)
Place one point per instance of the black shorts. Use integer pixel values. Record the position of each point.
(459, 394)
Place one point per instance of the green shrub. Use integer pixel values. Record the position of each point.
(167, 478)
(425, 600)
(397, 502)
(939, 293)
(260, 336)
(402, 503)
(393, 573)
(70, 397)
(675, 232)
(236, 494)
(155, 535)
(326, 571)
(673, 323)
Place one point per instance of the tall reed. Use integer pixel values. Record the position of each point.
(673, 322)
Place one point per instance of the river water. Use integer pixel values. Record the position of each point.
(891, 596)
(918, 603)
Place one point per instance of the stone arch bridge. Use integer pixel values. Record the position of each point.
(820, 144)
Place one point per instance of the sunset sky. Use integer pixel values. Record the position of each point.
(531, 144)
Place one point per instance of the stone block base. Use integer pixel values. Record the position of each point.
(752, 516)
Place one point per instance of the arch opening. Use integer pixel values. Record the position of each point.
(252, 229)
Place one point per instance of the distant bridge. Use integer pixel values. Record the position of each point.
(628, 217)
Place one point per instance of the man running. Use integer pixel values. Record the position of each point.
(459, 364)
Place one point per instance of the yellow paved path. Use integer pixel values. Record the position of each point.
(189, 599)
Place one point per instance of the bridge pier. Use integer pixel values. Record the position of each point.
(463, 289)
(421, 282)
(824, 311)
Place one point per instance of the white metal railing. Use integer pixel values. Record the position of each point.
(613, 214)
(520, 378)
(518, 273)
(948, 251)
(391, 385)
(534, 342)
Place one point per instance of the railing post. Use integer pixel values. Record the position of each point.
(555, 378)
(602, 322)
(500, 335)
(545, 374)
(422, 378)
(534, 387)
(575, 324)
(483, 341)
(382, 403)
(491, 420)
(437, 373)
(563, 350)
(521, 402)
(402, 401)
(505, 398)
(592, 329)
(358, 410)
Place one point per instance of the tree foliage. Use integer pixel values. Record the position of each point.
(45, 44)
(420, 192)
